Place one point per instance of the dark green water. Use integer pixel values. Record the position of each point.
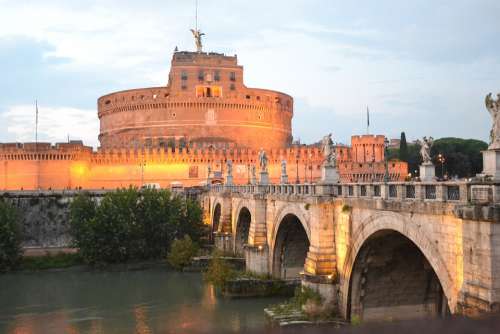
(150, 301)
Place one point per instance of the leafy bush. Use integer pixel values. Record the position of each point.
(60, 260)
(182, 252)
(219, 271)
(129, 224)
(10, 237)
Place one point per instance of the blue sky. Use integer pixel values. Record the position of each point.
(423, 67)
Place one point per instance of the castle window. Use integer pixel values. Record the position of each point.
(248, 97)
(208, 91)
(232, 76)
(184, 75)
(232, 87)
(183, 87)
(201, 75)
(217, 76)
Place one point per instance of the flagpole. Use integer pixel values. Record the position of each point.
(36, 123)
(36, 147)
(367, 120)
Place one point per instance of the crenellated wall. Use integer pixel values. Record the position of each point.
(73, 165)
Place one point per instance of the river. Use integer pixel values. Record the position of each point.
(147, 301)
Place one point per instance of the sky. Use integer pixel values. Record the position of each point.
(423, 67)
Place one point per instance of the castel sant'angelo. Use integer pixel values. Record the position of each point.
(184, 133)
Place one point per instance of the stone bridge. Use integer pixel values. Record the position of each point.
(378, 251)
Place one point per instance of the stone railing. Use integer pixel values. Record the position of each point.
(459, 192)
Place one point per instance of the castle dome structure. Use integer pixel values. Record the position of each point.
(205, 103)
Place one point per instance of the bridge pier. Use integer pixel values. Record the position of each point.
(223, 241)
(257, 259)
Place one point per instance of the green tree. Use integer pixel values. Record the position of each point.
(462, 157)
(219, 271)
(182, 252)
(129, 224)
(10, 237)
(403, 148)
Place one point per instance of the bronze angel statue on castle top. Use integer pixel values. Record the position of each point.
(197, 39)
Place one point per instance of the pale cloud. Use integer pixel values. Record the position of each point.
(405, 60)
(55, 124)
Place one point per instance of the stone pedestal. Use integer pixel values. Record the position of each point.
(427, 172)
(284, 179)
(324, 285)
(329, 175)
(257, 259)
(223, 241)
(229, 180)
(264, 178)
(491, 164)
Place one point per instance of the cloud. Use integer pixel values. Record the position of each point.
(412, 63)
(55, 124)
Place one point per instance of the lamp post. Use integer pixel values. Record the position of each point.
(386, 158)
(311, 167)
(143, 164)
(297, 181)
(442, 160)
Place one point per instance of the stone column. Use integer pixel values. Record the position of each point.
(320, 271)
(257, 250)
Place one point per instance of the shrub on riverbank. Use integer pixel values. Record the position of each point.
(10, 237)
(129, 224)
(56, 261)
(182, 252)
(219, 271)
(306, 304)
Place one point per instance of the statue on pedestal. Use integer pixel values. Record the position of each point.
(284, 176)
(254, 174)
(263, 161)
(229, 167)
(493, 107)
(425, 150)
(330, 156)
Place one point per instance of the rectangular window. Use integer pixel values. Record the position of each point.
(201, 75)
(217, 76)
(208, 91)
(232, 87)
(184, 75)
(232, 76)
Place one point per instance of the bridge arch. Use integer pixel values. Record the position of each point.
(242, 229)
(291, 241)
(216, 217)
(405, 247)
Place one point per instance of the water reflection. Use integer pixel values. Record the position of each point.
(142, 302)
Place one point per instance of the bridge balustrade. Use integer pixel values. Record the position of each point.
(453, 191)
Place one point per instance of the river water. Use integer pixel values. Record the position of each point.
(149, 301)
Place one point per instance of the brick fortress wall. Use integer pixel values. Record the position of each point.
(73, 165)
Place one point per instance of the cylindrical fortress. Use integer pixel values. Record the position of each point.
(205, 103)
